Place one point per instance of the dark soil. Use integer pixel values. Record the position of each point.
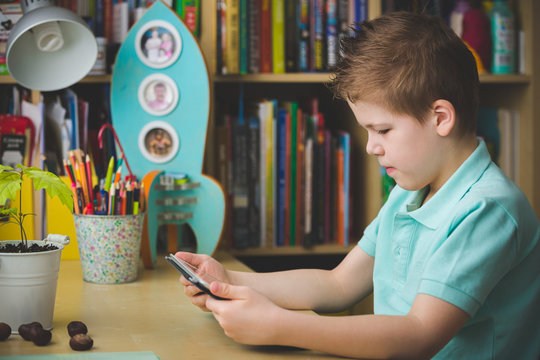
(20, 248)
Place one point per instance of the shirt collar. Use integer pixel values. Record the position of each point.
(439, 206)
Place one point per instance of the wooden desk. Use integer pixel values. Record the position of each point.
(150, 314)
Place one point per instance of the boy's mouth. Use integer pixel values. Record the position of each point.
(389, 170)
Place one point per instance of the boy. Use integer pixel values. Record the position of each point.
(453, 256)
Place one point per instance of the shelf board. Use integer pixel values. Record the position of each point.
(274, 78)
(326, 77)
(330, 249)
(504, 79)
(97, 79)
(292, 78)
(7, 79)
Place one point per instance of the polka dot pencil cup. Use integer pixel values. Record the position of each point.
(109, 247)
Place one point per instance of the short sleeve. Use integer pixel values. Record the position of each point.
(369, 239)
(479, 250)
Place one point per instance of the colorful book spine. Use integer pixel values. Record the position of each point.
(189, 11)
(266, 37)
(262, 110)
(281, 196)
(254, 204)
(300, 174)
(326, 213)
(303, 30)
(344, 186)
(232, 37)
(292, 109)
(360, 10)
(291, 36)
(243, 36)
(340, 196)
(220, 36)
(278, 36)
(240, 186)
(317, 34)
(254, 36)
(331, 33)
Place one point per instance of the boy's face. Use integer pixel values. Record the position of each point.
(408, 150)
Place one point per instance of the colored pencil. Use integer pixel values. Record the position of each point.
(89, 179)
(68, 172)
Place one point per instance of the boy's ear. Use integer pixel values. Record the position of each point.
(444, 116)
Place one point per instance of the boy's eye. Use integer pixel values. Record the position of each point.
(382, 132)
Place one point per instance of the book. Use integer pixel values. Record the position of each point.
(327, 187)
(266, 115)
(221, 39)
(292, 130)
(243, 36)
(278, 36)
(254, 35)
(360, 10)
(303, 36)
(300, 174)
(12, 12)
(331, 33)
(508, 126)
(224, 169)
(189, 11)
(13, 149)
(291, 36)
(344, 148)
(254, 183)
(119, 22)
(309, 150)
(266, 37)
(317, 33)
(232, 37)
(281, 178)
(240, 184)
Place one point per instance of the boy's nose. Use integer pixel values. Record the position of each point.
(373, 148)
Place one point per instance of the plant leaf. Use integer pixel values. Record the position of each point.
(52, 185)
(10, 183)
(8, 212)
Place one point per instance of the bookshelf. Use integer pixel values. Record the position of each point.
(519, 92)
(516, 91)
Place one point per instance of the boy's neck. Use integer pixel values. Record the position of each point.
(459, 150)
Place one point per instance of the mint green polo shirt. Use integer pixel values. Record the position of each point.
(474, 244)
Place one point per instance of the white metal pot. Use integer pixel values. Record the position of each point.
(28, 284)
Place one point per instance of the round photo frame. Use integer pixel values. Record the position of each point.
(158, 44)
(158, 142)
(158, 94)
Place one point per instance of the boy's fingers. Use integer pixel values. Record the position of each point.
(193, 259)
(225, 290)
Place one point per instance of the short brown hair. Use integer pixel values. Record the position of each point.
(405, 61)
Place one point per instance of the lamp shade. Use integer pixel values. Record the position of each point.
(62, 61)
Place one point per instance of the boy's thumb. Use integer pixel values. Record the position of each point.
(223, 290)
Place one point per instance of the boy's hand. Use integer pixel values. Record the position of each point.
(207, 264)
(248, 317)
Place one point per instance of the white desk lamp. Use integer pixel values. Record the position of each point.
(49, 48)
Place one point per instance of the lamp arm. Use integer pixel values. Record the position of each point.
(5, 22)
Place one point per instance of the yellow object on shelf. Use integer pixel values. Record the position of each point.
(60, 221)
(12, 231)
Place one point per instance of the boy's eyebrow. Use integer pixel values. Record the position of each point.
(372, 125)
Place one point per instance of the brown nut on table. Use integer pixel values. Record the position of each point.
(81, 342)
(5, 331)
(25, 329)
(40, 336)
(76, 327)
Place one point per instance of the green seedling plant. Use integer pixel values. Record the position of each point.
(11, 180)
